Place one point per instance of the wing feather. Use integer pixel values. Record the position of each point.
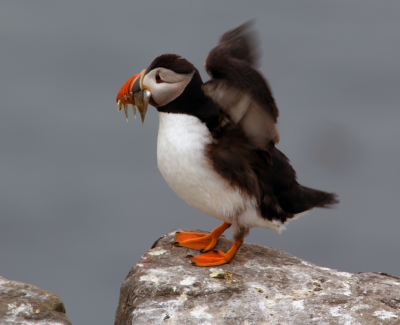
(239, 89)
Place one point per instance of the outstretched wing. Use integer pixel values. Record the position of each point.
(239, 89)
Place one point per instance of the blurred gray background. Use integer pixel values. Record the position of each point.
(81, 196)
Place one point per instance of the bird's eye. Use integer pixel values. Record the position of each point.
(158, 78)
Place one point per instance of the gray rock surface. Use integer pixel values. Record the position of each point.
(260, 286)
(25, 304)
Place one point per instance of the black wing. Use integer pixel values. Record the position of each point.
(239, 89)
(244, 152)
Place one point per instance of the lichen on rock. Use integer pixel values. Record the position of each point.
(260, 286)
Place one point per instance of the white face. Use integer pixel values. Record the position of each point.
(165, 85)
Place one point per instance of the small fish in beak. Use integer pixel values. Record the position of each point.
(132, 92)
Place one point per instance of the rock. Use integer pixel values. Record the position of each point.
(260, 286)
(25, 304)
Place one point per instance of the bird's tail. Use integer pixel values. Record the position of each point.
(299, 199)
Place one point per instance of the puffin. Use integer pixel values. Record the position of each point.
(216, 145)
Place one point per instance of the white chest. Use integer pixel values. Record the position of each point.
(183, 164)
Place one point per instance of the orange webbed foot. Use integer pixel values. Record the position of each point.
(195, 240)
(216, 257)
(212, 258)
(200, 241)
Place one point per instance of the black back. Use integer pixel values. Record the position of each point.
(244, 152)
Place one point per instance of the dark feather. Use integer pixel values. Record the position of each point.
(242, 43)
(267, 176)
(172, 62)
(239, 89)
(244, 150)
(245, 112)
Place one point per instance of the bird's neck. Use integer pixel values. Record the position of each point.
(194, 102)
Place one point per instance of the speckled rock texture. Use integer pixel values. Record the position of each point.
(260, 286)
(25, 304)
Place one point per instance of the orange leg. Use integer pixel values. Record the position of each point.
(217, 257)
(199, 241)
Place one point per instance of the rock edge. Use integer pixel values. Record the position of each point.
(260, 286)
(25, 304)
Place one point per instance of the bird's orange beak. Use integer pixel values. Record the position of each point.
(132, 92)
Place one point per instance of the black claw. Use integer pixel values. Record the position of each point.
(189, 255)
(175, 243)
(178, 232)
